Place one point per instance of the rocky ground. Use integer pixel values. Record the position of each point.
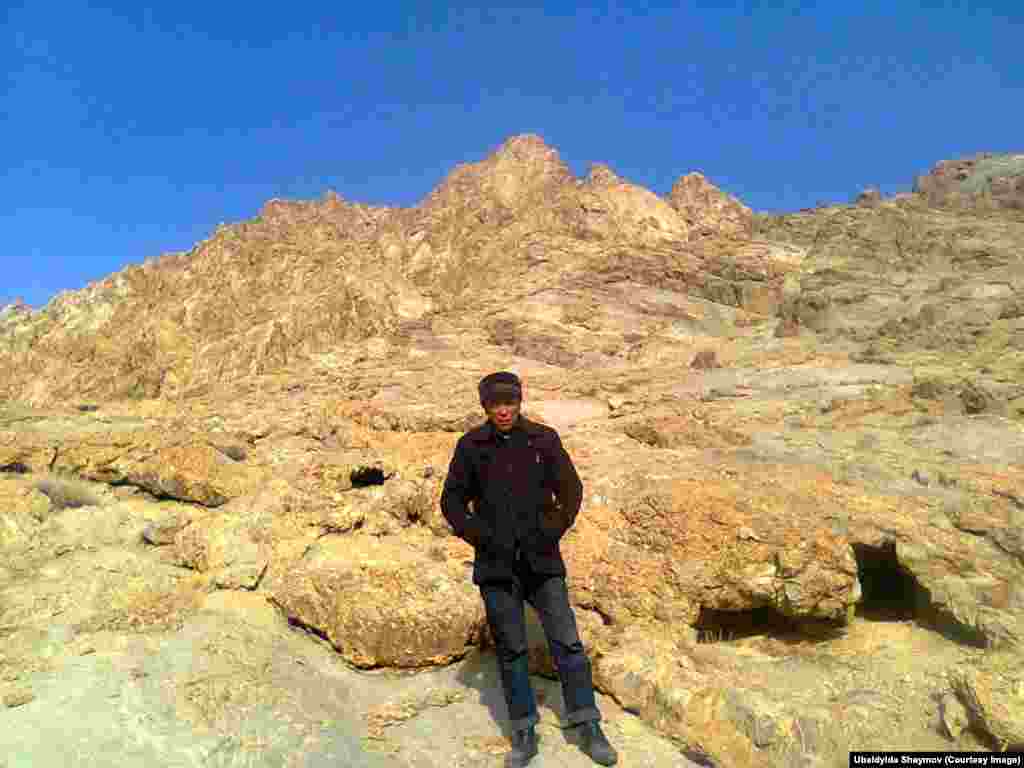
(801, 440)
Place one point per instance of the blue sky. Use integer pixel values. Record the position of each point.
(127, 132)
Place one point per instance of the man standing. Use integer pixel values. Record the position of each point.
(525, 495)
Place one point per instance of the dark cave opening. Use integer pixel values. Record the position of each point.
(16, 468)
(891, 593)
(888, 591)
(714, 626)
(364, 476)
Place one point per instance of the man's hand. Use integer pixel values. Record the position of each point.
(560, 510)
(477, 533)
(552, 520)
(458, 499)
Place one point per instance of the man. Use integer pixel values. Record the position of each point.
(525, 495)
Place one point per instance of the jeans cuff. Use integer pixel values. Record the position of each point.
(524, 722)
(584, 715)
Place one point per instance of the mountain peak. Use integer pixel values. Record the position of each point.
(602, 176)
(709, 210)
(526, 147)
(521, 167)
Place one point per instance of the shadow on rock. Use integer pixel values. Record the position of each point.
(479, 671)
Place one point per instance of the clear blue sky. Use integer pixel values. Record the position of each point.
(127, 132)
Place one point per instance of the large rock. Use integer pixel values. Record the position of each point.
(382, 602)
(992, 691)
(968, 579)
(187, 468)
(682, 546)
(650, 673)
(225, 544)
(196, 472)
(980, 594)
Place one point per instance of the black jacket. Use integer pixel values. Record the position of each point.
(512, 495)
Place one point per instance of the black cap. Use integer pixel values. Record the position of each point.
(499, 386)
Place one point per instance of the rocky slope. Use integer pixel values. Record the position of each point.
(986, 181)
(801, 440)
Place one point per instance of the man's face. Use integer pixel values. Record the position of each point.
(503, 413)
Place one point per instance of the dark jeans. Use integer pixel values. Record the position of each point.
(506, 615)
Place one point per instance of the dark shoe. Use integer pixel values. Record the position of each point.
(524, 748)
(595, 744)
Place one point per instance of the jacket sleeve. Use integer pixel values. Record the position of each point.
(460, 488)
(567, 488)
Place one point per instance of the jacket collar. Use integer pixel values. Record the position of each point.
(487, 431)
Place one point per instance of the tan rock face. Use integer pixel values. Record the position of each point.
(709, 211)
(383, 604)
(689, 547)
(198, 473)
(613, 207)
(517, 173)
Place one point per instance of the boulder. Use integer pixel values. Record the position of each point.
(669, 549)
(225, 545)
(992, 691)
(383, 603)
(650, 672)
(195, 472)
(188, 469)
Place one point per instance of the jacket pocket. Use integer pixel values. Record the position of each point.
(478, 532)
(551, 518)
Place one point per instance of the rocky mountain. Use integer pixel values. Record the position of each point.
(986, 181)
(305, 278)
(801, 439)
